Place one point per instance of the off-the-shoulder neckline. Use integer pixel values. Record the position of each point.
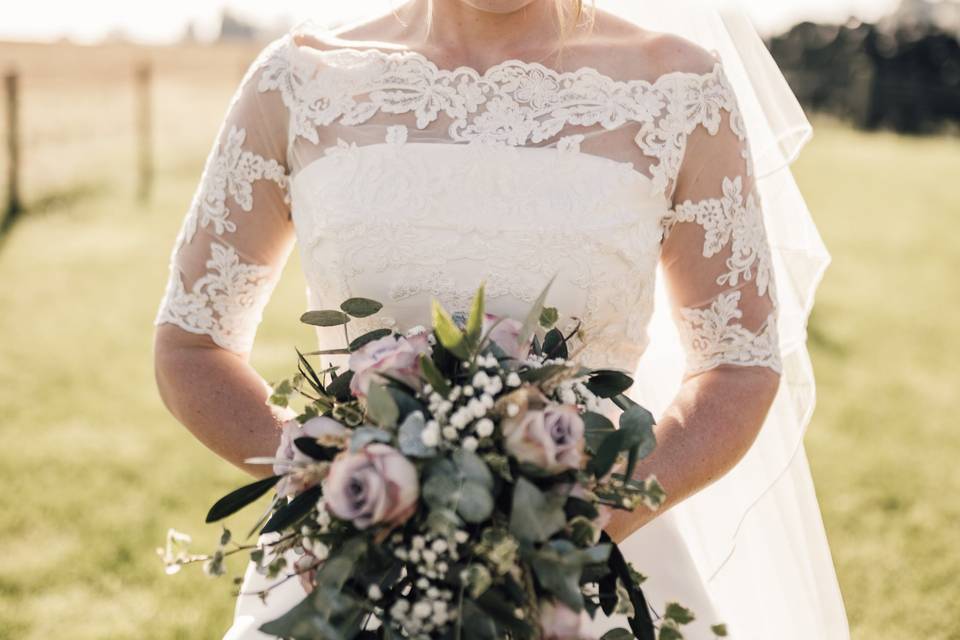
(494, 69)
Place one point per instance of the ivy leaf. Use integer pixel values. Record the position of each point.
(325, 318)
(596, 427)
(719, 630)
(606, 383)
(239, 498)
(339, 387)
(617, 634)
(548, 317)
(533, 317)
(680, 615)
(360, 307)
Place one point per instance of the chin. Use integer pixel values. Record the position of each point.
(498, 6)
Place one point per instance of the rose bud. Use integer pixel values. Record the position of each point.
(506, 334)
(560, 622)
(551, 439)
(301, 477)
(376, 485)
(398, 356)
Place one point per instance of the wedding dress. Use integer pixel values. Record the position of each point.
(401, 181)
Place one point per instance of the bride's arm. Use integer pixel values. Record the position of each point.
(228, 256)
(716, 262)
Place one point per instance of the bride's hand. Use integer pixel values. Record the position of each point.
(306, 567)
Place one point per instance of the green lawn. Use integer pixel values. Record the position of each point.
(95, 470)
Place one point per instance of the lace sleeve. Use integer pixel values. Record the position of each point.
(715, 253)
(237, 233)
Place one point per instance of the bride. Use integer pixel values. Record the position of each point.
(449, 141)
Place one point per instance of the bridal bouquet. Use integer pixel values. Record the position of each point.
(451, 484)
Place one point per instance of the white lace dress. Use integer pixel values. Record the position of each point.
(401, 181)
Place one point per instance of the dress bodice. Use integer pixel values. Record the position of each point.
(402, 182)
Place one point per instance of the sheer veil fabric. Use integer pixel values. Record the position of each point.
(366, 158)
(756, 535)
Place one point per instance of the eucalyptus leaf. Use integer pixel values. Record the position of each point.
(368, 337)
(325, 318)
(363, 436)
(381, 407)
(535, 516)
(410, 436)
(360, 307)
(476, 502)
(617, 634)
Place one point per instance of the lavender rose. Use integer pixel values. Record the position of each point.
(506, 335)
(560, 622)
(551, 439)
(376, 485)
(301, 477)
(398, 356)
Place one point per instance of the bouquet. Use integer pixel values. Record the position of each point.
(451, 484)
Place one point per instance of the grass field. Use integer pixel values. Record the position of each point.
(95, 470)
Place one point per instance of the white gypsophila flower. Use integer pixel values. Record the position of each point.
(175, 551)
(429, 556)
(470, 443)
(418, 542)
(513, 379)
(467, 390)
(422, 609)
(484, 427)
(459, 419)
(374, 592)
(423, 583)
(455, 393)
(477, 408)
(431, 434)
(439, 545)
(487, 401)
(461, 536)
(427, 388)
(480, 379)
(450, 433)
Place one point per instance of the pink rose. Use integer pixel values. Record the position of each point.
(300, 478)
(376, 485)
(506, 334)
(560, 622)
(398, 356)
(551, 439)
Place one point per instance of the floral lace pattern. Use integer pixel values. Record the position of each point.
(523, 102)
(230, 171)
(403, 221)
(725, 218)
(226, 303)
(714, 337)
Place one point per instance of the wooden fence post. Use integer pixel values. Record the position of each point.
(144, 76)
(14, 204)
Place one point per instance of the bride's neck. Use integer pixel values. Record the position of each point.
(479, 33)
